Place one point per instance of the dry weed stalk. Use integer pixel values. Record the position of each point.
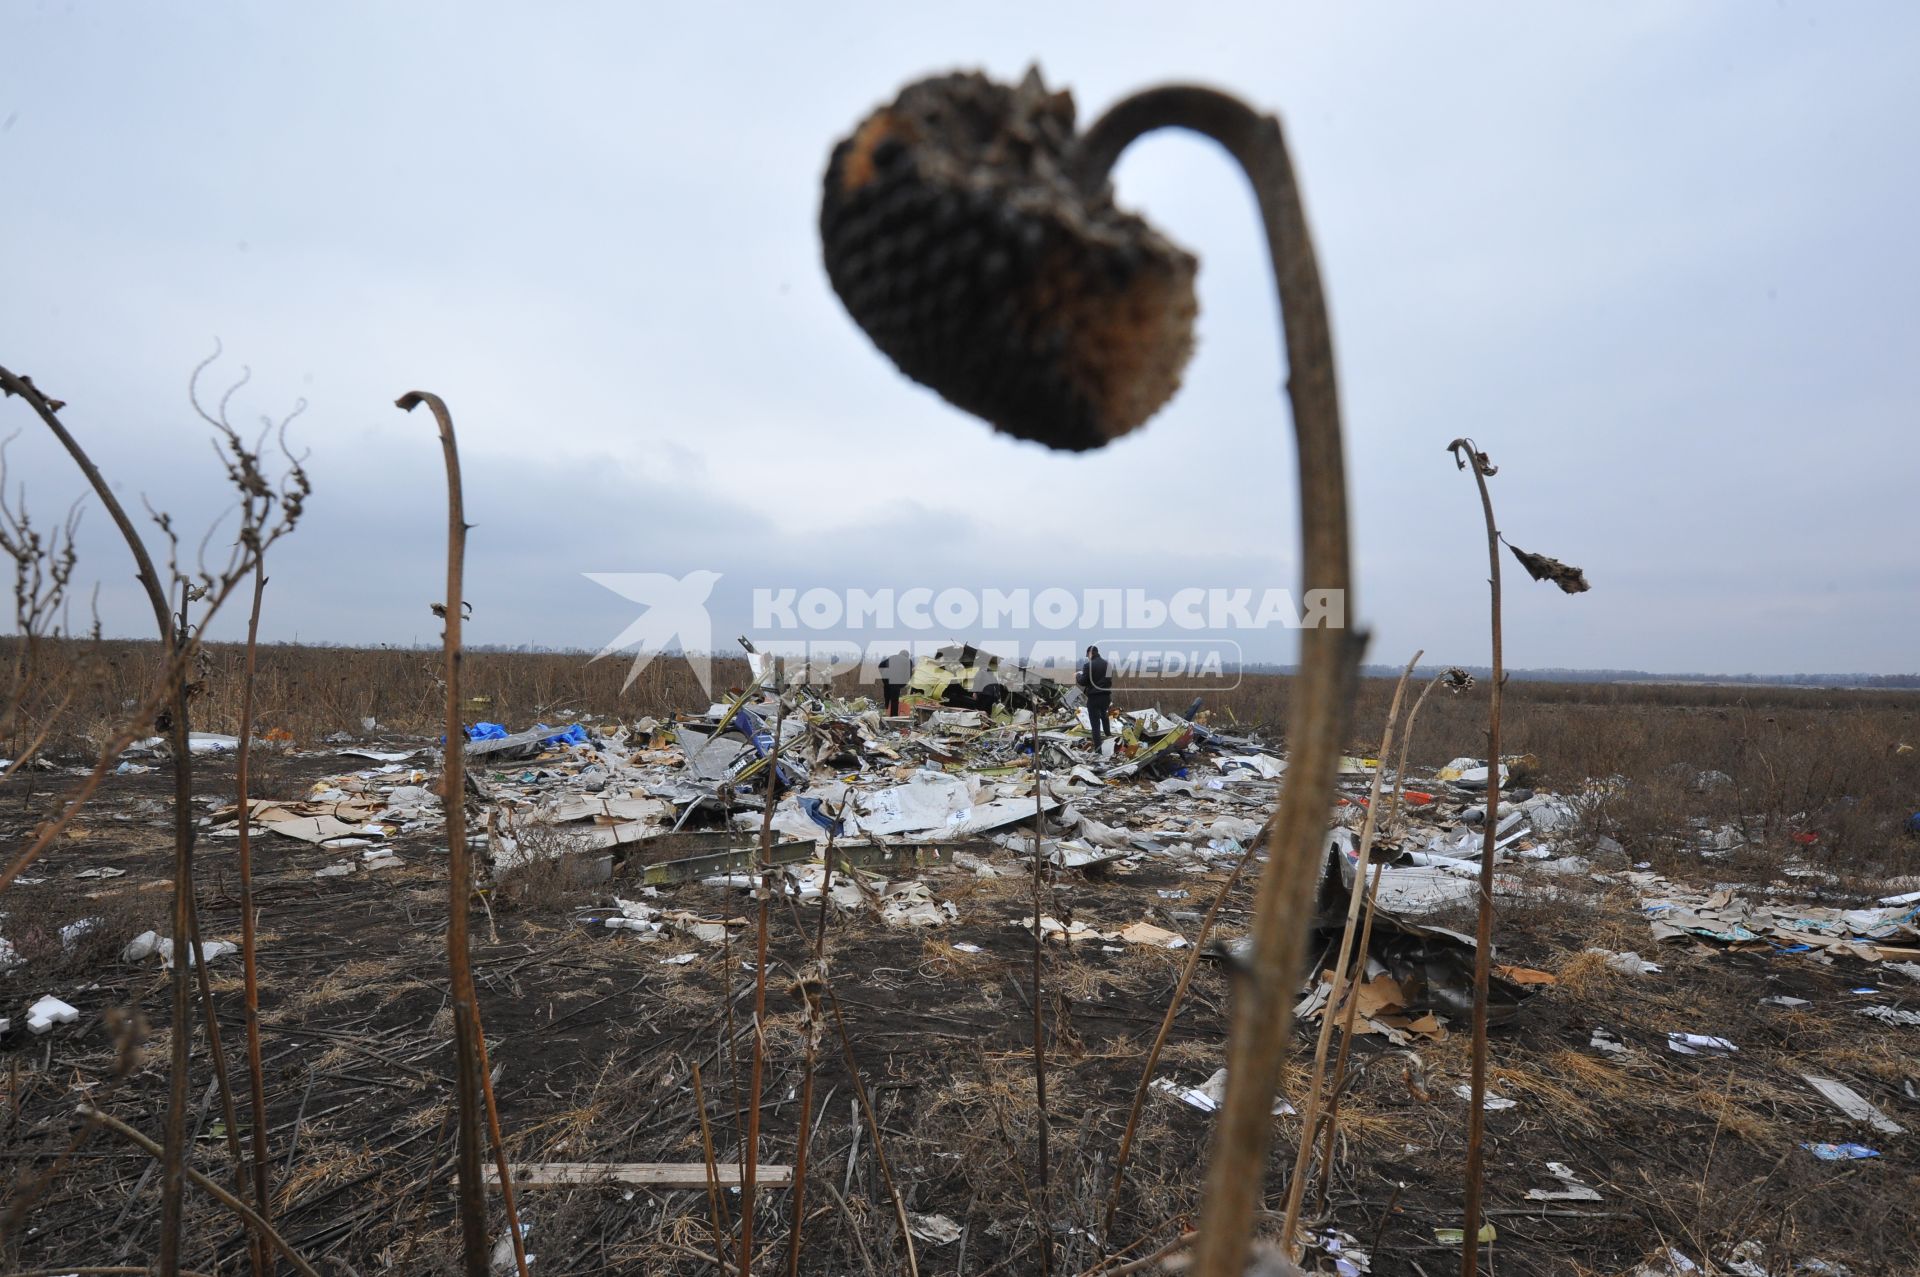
(716, 1212)
(906, 175)
(1456, 680)
(1041, 1207)
(472, 1086)
(808, 989)
(1194, 953)
(816, 990)
(763, 898)
(1344, 993)
(238, 1207)
(1466, 454)
(266, 512)
(256, 1071)
(873, 1129)
(43, 573)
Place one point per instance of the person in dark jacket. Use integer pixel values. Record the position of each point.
(896, 672)
(1096, 680)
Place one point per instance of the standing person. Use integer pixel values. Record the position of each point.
(896, 672)
(1096, 680)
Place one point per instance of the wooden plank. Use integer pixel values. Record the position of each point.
(651, 1174)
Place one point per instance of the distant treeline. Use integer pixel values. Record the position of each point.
(1876, 682)
(1549, 674)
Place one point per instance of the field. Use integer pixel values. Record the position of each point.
(595, 1037)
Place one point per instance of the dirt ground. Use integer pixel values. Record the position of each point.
(594, 1038)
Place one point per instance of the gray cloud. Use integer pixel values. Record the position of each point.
(1655, 260)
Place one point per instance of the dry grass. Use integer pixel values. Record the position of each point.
(1586, 975)
(940, 1033)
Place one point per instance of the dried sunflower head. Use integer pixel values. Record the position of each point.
(957, 238)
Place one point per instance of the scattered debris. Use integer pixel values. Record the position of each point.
(1210, 1094)
(149, 944)
(937, 1230)
(1850, 1102)
(1891, 1015)
(649, 1174)
(1840, 1152)
(1627, 963)
(1699, 1044)
(47, 1012)
(1570, 1188)
(1489, 1101)
(1748, 1259)
(1725, 917)
(1668, 1263)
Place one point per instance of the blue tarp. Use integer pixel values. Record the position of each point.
(573, 735)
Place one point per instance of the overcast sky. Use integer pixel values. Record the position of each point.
(1658, 259)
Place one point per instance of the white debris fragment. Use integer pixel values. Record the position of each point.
(1892, 1015)
(1748, 1259)
(150, 944)
(1570, 1189)
(1210, 1094)
(1699, 1044)
(1627, 963)
(1853, 1104)
(1489, 1101)
(1669, 1263)
(47, 1012)
(937, 1230)
(911, 904)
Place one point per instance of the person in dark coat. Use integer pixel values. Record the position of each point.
(896, 672)
(1096, 680)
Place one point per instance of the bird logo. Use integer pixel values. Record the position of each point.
(676, 608)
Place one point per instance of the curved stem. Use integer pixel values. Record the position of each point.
(232, 1203)
(256, 1072)
(172, 1186)
(149, 576)
(470, 1070)
(1329, 654)
(1483, 931)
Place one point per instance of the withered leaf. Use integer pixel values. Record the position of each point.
(1542, 568)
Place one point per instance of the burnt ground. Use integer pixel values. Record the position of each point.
(594, 1038)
